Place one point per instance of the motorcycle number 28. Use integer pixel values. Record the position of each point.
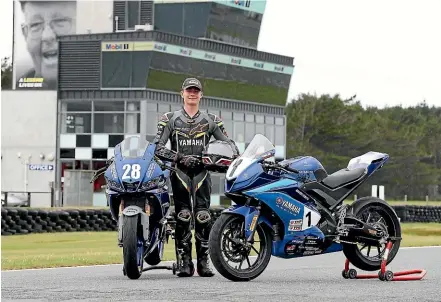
(134, 171)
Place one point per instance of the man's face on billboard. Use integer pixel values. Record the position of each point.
(44, 21)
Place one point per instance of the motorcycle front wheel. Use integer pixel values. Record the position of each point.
(132, 251)
(229, 252)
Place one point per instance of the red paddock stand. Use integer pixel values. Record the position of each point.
(383, 274)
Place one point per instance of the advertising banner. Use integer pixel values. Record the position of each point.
(257, 6)
(35, 49)
(194, 53)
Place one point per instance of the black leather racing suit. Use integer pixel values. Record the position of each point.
(188, 136)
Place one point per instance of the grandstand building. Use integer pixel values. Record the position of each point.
(115, 84)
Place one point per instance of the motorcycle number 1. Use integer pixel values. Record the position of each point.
(310, 218)
(134, 170)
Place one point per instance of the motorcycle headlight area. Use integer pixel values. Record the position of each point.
(115, 185)
(154, 183)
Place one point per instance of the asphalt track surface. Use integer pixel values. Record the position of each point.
(316, 278)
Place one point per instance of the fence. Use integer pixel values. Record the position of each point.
(24, 221)
(77, 189)
(25, 199)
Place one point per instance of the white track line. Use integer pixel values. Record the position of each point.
(84, 266)
(168, 262)
(420, 247)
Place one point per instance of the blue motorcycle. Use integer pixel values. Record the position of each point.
(138, 197)
(293, 208)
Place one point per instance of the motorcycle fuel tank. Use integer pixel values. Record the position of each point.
(309, 167)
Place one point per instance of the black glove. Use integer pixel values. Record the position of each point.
(190, 161)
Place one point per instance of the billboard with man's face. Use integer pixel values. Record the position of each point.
(36, 27)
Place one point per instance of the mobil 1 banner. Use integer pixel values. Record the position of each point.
(37, 24)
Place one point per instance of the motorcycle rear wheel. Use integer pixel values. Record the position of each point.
(217, 250)
(369, 206)
(130, 247)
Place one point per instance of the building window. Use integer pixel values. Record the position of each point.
(67, 153)
(269, 120)
(260, 129)
(269, 133)
(152, 107)
(226, 115)
(280, 136)
(133, 124)
(133, 106)
(176, 107)
(108, 123)
(76, 122)
(238, 116)
(82, 165)
(228, 125)
(83, 140)
(215, 183)
(99, 153)
(108, 106)
(115, 140)
(239, 132)
(163, 108)
(249, 118)
(250, 131)
(279, 121)
(133, 14)
(152, 122)
(76, 106)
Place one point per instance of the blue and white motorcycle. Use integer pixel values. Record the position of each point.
(294, 209)
(138, 198)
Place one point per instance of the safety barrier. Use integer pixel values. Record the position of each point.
(19, 220)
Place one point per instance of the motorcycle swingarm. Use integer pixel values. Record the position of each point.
(353, 227)
(134, 211)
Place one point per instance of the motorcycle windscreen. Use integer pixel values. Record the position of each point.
(132, 147)
(260, 148)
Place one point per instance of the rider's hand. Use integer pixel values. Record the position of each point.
(190, 161)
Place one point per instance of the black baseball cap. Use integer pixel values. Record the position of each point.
(191, 82)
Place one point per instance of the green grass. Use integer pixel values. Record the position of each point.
(64, 249)
(409, 203)
(163, 80)
(92, 248)
(421, 234)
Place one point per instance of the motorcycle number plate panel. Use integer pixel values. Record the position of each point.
(310, 218)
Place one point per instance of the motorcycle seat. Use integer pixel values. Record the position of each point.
(343, 176)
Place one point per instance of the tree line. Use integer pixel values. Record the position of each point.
(334, 130)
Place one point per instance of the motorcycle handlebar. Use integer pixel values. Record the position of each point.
(164, 166)
(98, 173)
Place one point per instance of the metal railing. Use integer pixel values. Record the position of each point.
(10, 199)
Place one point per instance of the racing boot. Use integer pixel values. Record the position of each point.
(203, 267)
(186, 269)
